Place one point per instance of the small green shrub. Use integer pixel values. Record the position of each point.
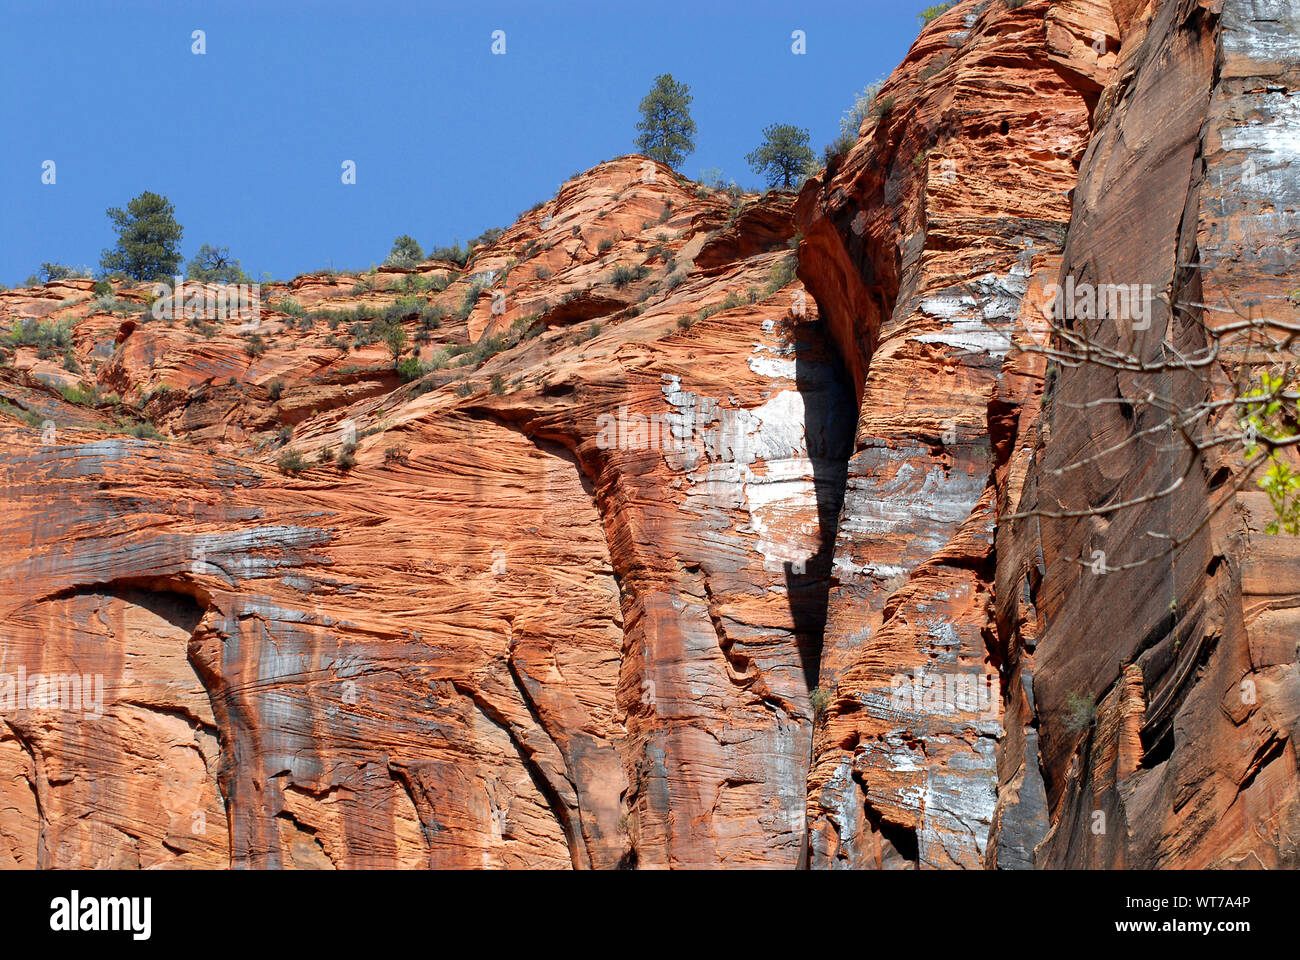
(406, 252)
(395, 338)
(56, 271)
(431, 316)
(456, 254)
(31, 417)
(410, 368)
(403, 308)
(337, 317)
(929, 14)
(782, 274)
(936, 66)
(731, 300)
(1080, 712)
(487, 347)
(56, 334)
(469, 301)
(623, 275)
(488, 237)
(142, 431)
(839, 146)
(82, 396)
(291, 461)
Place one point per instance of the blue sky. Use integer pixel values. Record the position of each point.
(448, 139)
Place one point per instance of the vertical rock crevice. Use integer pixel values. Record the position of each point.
(926, 247)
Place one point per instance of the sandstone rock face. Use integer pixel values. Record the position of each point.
(564, 611)
(1146, 716)
(925, 245)
(683, 549)
(1190, 659)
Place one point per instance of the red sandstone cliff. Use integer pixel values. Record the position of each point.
(634, 586)
(1147, 716)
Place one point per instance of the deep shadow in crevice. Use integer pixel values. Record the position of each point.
(179, 609)
(178, 601)
(830, 424)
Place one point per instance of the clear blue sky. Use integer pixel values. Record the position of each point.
(247, 140)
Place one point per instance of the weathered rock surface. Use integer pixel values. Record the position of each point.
(675, 559)
(563, 611)
(1146, 717)
(1191, 659)
(923, 248)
